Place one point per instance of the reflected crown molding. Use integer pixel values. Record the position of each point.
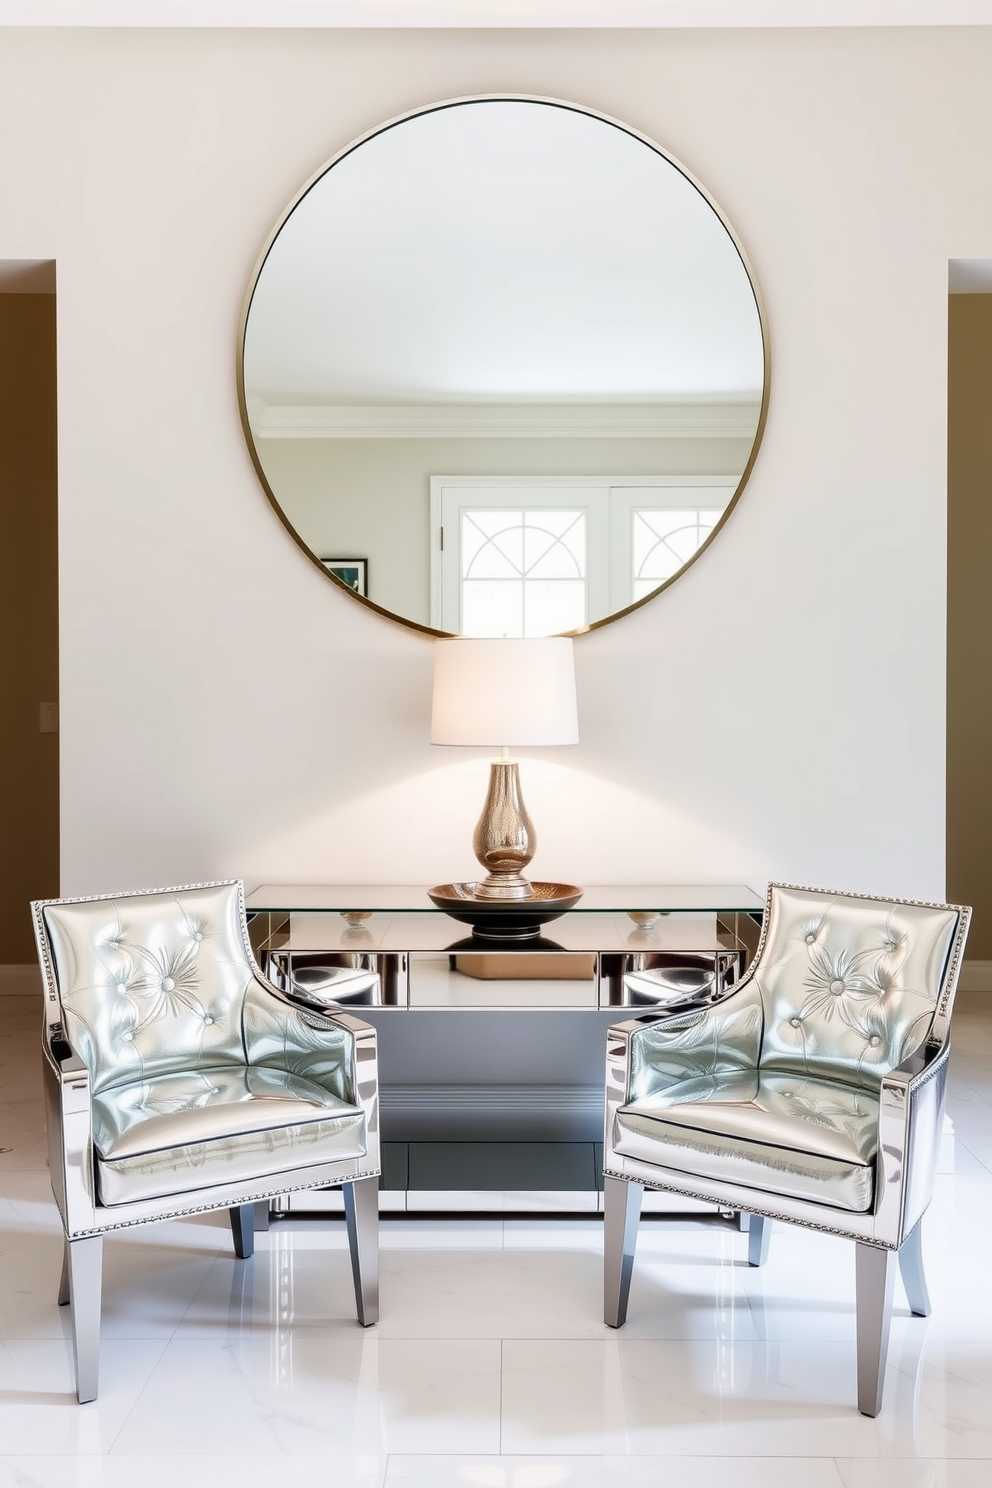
(711, 420)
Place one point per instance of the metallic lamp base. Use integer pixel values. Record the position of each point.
(504, 840)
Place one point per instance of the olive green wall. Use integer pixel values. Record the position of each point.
(29, 761)
(969, 614)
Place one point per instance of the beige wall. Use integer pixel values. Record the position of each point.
(777, 712)
(969, 614)
(29, 761)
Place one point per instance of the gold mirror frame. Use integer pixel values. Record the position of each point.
(436, 108)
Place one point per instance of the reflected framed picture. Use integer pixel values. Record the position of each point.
(352, 572)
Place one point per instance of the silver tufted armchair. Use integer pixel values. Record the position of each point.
(811, 1091)
(177, 1081)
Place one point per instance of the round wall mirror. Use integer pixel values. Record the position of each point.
(502, 368)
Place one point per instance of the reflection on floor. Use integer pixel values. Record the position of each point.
(491, 1367)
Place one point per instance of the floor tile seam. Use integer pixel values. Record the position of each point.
(125, 1419)
(340, 1334)
(963, 1142)
(494, 1339)
(155, 1456)
(211, 1263)
(647, 1458)
(385, 1468)
(618, 1335)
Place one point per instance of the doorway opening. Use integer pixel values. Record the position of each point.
(29, 755)
(969, 605)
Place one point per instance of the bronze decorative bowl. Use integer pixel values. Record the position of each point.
(505, 919)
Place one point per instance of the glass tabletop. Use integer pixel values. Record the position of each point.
(413, 898)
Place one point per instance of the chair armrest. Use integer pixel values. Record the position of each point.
(695, 998)
(69, 1070)
(910, 1122)
(678, 1028)
(701, 1038)
(710, 1036)
(675, 1009)
(366, 1075)
(69, 1129)
(918, 1065)
(619, 1037)
(618, 1043)
(313, 1006)
(618, 1049)
(322, 1043)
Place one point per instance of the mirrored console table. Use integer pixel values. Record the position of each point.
(491, 1053)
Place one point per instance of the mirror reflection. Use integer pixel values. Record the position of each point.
(502, 368)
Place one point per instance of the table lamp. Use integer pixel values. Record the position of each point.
(503, 693)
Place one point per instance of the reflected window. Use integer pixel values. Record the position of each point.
(529, 556)
(523, 572)
(662, 541)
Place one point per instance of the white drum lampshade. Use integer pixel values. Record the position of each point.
(502, 693)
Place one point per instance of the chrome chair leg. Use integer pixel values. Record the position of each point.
(621, 1213)
(261, 1216)
(875, 1275)
(85, 1267)
(759, 1234)
(913, 1277)
(243, 1230)
(361, 1212)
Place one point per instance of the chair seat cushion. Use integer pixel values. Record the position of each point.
(225, 1125)
(806, 1138)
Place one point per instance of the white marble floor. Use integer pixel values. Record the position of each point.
(491, 1367)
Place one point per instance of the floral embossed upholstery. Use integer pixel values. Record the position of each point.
(179, 1081)
(844, 991)
(810, 1091)
(139, 996)
(199, 1075)
(849, 987)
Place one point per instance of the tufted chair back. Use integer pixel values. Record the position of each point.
(140, 998)
(849, 985)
